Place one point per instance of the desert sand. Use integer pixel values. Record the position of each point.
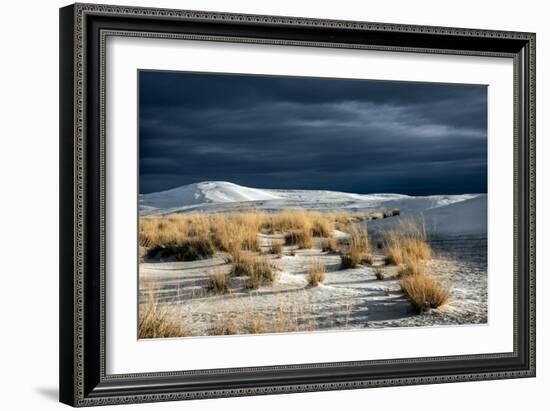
(353, 298)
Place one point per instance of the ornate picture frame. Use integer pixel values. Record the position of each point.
(84, 29)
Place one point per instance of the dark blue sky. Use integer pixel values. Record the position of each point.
(359, 136)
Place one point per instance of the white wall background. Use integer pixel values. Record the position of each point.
(29, 204)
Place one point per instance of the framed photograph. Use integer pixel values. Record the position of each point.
(261, 204)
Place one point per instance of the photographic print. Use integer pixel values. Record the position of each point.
(277, 204)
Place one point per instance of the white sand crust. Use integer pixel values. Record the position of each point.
(349, 298)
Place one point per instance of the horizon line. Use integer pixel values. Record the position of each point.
(306, 189)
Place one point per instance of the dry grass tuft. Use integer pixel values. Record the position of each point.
(224, 325)
(302, 238)
(424, 292)
(379, 273)
(368, 259)
(218, 283)
(260, 270)
(256, 325)
(286, 316)
(359, 239)
(358, 245)
(412, 267)
(263, 274)
(329, 245)
(277, 249)
(350, 260)
(242, 263)
(394, 256)
(191, 249)
(322, 224)
(155, 231)
(409, 249)
(407, 242)
(316, 273)
(344, 219)
(287, 220)
(156, 321)
(236, 231)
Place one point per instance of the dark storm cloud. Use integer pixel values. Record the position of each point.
(286, 132)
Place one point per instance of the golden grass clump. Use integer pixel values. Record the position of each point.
(218, 283)
(394, 255)
(359, 239)
(412, 267)
(342, 220)
(243, 263)
(358, 245)
(286, 316)
(277, 249)
(224, 325)
(424, 292)
(409, 249)
(156, 321)
(351, 260)
(259, 270)
(250, 225)
(368, 259)
(379, 273)
(222, 229)
(299, 226)
(190, 249)
(256, 325)
(287, 220)
(322, 224)
(235, 232)
(329, 245)
(160, 231)
(262, 273)
(316, 273)
(303, 238)
(407, 242)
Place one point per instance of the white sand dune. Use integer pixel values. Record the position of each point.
(208, 192)
(222, 195)
(468, 217)
(465, 217)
